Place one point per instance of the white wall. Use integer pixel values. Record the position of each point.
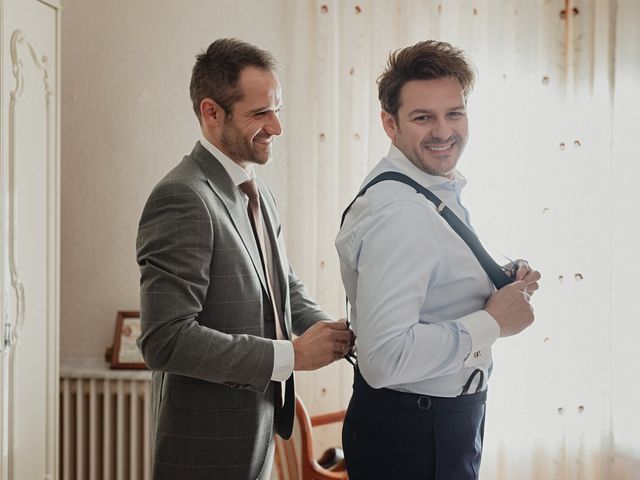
(127, 120)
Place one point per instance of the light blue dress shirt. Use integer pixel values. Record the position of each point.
(416, 290)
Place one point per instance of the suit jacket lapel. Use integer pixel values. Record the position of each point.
(223, 187)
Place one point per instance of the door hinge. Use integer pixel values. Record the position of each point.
(6, 341)
(7, 335)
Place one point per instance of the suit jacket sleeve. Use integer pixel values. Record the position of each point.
(304, 310)
(174, 252)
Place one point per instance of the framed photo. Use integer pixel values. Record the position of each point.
(125, 353)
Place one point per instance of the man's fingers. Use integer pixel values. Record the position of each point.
(521, 268)
(523, 287)
(532, 287)
(340, 350)
(532, 276)
(341, 347)
(341, 336)
(338, 325)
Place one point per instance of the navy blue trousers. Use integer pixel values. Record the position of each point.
(394, 435)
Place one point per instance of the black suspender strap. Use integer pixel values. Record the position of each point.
(465, 388)
(494, 271)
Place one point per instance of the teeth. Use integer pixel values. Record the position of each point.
(440, 149)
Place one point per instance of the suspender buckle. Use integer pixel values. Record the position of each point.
(441, 207)
(424, 403)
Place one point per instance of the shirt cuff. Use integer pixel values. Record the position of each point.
(483, 330)
(283, 360)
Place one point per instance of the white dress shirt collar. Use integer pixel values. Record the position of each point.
(236, 172)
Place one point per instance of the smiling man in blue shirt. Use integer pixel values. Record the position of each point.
(424, 311)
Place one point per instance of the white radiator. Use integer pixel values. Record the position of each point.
(104, 423)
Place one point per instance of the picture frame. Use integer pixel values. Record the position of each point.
(125, 353)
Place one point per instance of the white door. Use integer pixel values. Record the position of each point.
(30, 223)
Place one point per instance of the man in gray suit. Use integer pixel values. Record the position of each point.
(219, 300)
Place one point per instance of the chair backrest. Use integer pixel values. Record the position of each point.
(288, 453)
(295, 458)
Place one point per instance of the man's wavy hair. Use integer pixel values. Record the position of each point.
(216, 72)
(426, 60)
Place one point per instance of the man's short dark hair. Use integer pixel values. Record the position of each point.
(216, 72)
(427, 60)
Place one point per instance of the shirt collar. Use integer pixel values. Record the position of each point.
(236, 172)
(401, 163)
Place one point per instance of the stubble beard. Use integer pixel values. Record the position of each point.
(419, 157)
(240, 149)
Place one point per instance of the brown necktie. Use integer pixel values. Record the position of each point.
(284, 412)
(251, 190)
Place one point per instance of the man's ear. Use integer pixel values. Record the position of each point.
(212, 114)
(389, 124)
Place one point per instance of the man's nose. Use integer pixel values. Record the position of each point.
(274, 127)
(442, 130)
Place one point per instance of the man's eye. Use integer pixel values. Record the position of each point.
(456, 114)
(421, 118)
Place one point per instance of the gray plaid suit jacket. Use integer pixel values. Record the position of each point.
(207, 324)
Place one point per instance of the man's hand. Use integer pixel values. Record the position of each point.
(524, 272)
(323, 343)
(511, 308)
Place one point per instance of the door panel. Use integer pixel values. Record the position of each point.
(30, 211)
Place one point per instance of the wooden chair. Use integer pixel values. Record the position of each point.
(295, 458)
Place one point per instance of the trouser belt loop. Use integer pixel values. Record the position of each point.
(465, 389)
